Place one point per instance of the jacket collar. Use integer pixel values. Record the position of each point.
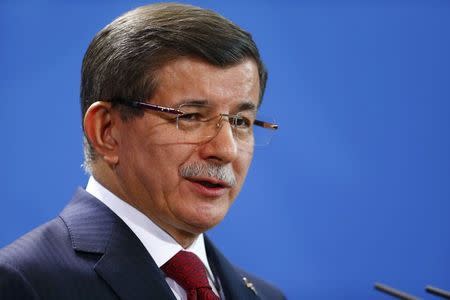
(124, 263)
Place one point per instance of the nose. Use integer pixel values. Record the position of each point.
(222, 147)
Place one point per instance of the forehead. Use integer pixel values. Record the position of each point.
(190, 79)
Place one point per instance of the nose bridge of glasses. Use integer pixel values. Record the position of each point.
(230, 118)
(237, 138)
(217, 123)
(214, 125)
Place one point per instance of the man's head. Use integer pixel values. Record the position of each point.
(171, 55)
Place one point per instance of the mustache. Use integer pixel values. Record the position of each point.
(208, 169)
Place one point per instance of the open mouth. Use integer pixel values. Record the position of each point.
(210, 184)
(208, 187)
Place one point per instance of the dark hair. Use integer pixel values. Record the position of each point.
(123, 58)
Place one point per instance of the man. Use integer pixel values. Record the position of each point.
(169, 95)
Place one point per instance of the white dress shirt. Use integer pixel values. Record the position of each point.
(159, 244)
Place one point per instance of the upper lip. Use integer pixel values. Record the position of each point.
(210, 180)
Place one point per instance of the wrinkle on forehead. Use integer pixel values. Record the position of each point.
(189, 79)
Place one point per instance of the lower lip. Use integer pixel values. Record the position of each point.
(204, 191)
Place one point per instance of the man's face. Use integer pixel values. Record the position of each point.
(153, 159)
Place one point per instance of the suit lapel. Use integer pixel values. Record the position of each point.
(233, 284)
(124, 263)
(129, 269)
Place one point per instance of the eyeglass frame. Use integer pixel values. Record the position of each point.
(178, 112)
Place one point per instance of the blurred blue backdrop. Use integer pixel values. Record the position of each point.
(355, 187)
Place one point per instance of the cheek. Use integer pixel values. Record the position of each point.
(163, 163)
(242, 164)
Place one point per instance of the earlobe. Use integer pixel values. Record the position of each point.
(98, 127)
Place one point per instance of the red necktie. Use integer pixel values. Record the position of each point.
(190, 273)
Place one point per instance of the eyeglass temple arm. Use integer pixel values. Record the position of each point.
(267, 125)
(154, 107)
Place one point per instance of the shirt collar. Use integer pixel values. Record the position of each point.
(159, 244)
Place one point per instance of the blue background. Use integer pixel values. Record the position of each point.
(355, 187)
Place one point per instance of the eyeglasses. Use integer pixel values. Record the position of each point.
(199, 123)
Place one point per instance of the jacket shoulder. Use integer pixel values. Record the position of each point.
(33, 261)
(38, 245)
(14, 285)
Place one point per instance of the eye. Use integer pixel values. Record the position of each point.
(190, 117)
(241, 122)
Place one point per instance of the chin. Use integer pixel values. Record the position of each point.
(205, 218)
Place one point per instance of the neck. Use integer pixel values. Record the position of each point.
(183, 238)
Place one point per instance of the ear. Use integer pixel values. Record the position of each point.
(99, 128)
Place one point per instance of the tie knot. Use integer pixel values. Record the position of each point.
(187, 270)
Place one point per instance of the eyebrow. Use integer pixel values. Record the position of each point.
(193, 102)
(247, 105)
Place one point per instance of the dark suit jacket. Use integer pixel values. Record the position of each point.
(89, 253)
